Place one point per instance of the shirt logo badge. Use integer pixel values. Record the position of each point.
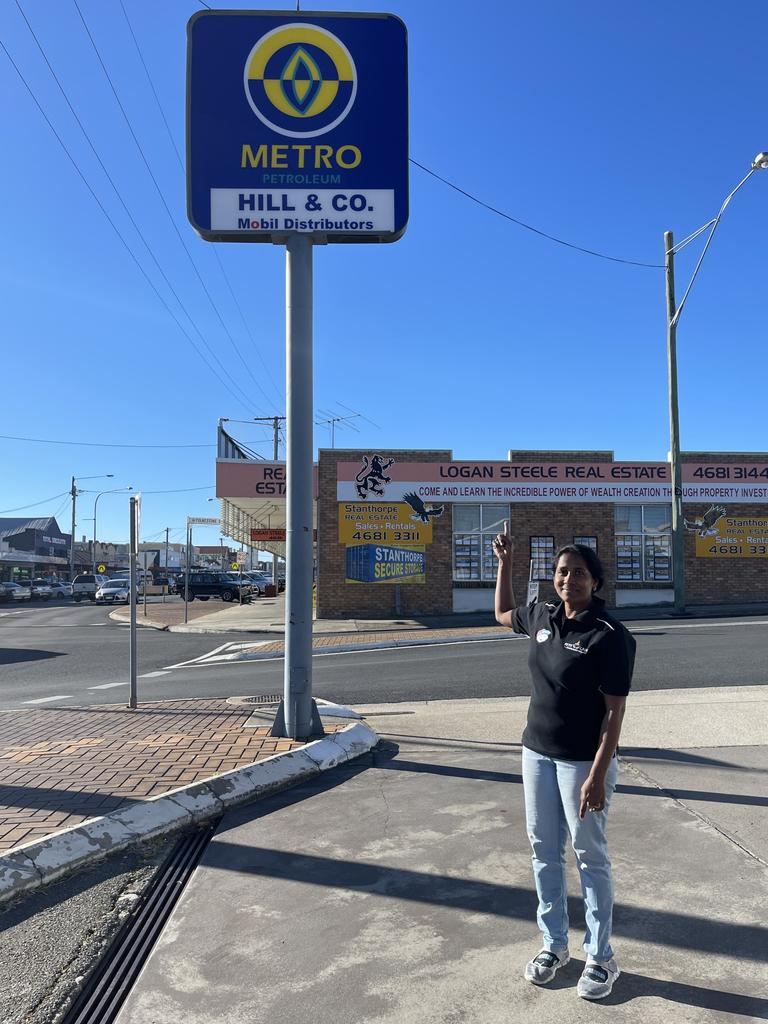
(577, 647)
(543, 635)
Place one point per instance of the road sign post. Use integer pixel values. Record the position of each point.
(297, 134)
(135, 514)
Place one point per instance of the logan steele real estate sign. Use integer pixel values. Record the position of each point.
(297, 122)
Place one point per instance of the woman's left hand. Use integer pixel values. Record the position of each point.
(592, 796)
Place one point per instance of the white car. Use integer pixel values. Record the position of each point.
(112, 591)
(61, 589)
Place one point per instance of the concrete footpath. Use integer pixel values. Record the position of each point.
(397, 888)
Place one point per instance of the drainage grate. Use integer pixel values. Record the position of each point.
(108, 986)
(270, 698)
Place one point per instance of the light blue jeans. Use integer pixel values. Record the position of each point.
(552, 794)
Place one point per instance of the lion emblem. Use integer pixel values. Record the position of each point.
(371, 478)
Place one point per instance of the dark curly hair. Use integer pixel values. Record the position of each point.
(589, 557)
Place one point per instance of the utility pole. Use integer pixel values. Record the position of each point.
(275, 421)
(678, 559)
(165, 591)
(73, 492)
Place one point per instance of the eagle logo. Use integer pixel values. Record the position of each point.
(371, 477)
(706, 525)
(422, 514)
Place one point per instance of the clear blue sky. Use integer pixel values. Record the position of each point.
(603, 124)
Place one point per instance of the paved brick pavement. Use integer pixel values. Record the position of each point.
(59, 766)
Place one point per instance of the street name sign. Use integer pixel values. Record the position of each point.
(297, 122)
(202, 521)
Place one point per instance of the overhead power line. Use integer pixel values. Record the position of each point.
(530, 227)
(164, 202)
(99, 444)
(122, 202)
(111, 222)
(214, 248)
(32, 504)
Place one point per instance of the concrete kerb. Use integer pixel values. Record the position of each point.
(37, 863)
(140, 621)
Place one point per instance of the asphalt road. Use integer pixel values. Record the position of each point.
(74, 654)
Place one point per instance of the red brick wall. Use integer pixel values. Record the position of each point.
(337, 599)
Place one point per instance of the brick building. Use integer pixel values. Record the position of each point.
(408, 532)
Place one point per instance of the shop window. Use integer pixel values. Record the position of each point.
(588, 542)
(643, 543)
(474, 527)
(542, 553)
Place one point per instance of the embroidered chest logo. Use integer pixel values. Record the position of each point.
(577, 647)
(543, 635)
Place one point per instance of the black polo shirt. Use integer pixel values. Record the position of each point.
(573, 662)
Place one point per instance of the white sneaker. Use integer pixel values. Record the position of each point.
(597, 978)
(545, 966)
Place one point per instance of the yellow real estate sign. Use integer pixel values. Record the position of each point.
(736, 537)
(385, 523)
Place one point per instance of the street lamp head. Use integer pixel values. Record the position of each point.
(760, 162)
(109, 474)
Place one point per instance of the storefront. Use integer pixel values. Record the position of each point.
(33, 547)
(408, 533)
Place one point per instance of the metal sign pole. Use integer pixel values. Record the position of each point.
(186, 575)
(144, 583)
(133, 695)
(299, 718)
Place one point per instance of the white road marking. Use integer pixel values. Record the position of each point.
(152, 675)
(203, 657)
(107, 686)
(46, 700)
(695, 625)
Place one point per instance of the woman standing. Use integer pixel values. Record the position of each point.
(581, 663)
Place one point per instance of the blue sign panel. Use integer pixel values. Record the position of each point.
(297, 122)
(382, 563)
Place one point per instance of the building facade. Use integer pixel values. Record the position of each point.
(408, 533)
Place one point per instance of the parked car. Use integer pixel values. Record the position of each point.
(112, 591)
(41, 590)
(204, 585)
(61, 588)
(86, 585)
(15, 592)
(260, 580)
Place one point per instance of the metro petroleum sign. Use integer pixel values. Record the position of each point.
(297, 122)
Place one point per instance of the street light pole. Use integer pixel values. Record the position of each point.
(74, 492)
(678, 553)
(673, 316)
(95, 505)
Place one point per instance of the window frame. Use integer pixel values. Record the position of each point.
(474, 543)
(639, 548)
(533, 558)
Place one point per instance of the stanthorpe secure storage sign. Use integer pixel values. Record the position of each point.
(297, 122)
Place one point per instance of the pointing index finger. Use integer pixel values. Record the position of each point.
(505, 531)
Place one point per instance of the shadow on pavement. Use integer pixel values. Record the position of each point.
(11, 655)
(686, 931)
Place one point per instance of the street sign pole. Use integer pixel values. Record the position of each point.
(299, 718)
(323, 96)
(134, 536)
(186, 574)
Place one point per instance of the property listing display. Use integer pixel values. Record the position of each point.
(297, 122)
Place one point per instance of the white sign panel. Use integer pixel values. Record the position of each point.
(277, 210)
(202, 521)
